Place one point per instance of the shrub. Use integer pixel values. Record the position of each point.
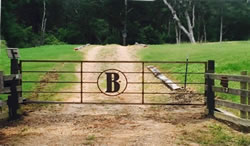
(50, 39)
(149, 35)
(3, 44)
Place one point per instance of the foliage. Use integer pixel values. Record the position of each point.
(3, 44)
(149, 36)
(4, 60)
(100, 30)
(52, 40)
(102, 21)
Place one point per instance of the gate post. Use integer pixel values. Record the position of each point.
(12, 101)
(210, 93)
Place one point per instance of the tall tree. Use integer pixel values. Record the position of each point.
(221, 22)
(190, 24)
(101, 21)
(43, 26)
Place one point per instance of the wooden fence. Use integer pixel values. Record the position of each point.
(9, 84)
(9, 79)
(243, 92)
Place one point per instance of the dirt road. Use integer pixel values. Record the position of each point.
(104, 124)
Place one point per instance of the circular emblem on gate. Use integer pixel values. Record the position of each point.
(112, 82)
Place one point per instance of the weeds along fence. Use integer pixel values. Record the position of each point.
(243, 93)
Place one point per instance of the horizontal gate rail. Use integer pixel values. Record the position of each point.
(161, 83)
(30, 71)
(60, 82)
(50, 92)
(122, 93)
(120, 103)
(78, 61)
(101, 72)
(96, 82)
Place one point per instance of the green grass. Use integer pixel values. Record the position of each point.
(50, 52)
(216, 134)
(230, 58)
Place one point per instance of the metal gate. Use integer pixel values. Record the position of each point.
(111, 82)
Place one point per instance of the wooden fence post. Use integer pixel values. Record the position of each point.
(243, 97)
(13, 98)
(210, 92)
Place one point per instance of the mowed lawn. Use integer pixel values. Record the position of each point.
(230, 58)
(50, 52)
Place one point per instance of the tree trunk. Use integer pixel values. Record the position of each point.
(188, 32)
(199, 37)
(44, 20)
(191, 38)
(169, 27)
(221, 28)
(190, 26)
(177, 34)
(205, 32)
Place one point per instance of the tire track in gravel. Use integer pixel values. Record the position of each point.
(148, 131)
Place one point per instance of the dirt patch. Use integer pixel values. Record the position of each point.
(44, 84)
(187, 96)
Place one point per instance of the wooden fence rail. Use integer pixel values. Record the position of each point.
(237, 78)
(243, 92)
(238, 106)
(231, 91)
(8, 78)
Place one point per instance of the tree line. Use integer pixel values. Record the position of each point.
(27, 23)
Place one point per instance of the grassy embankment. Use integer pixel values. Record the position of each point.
(57, 52)
(230, 58)
(214, 134)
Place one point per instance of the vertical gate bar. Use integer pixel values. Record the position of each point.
(205, 86)
(21, 80)
(185, 82)
(81, 83)
(142, 82)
